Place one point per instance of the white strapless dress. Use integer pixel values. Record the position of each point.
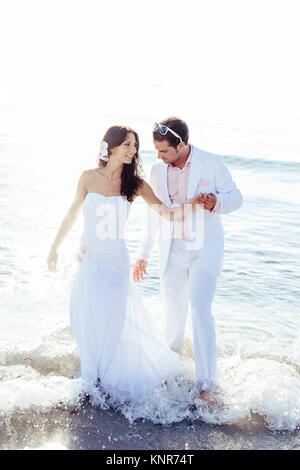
(117, 341)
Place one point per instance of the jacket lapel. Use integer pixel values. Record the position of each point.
(196, 171)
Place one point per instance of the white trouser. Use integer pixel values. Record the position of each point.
(186, 280)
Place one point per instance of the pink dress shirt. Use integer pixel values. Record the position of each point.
(178, 179)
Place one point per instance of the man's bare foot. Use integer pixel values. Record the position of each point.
(209, 397)
(83, 400)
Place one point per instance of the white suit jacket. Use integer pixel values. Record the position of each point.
(208, 174)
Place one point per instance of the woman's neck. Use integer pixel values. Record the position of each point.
(113, 170)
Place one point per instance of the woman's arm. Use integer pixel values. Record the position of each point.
(169, 213)
(68, 221)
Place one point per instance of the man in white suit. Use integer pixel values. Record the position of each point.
(191, 249)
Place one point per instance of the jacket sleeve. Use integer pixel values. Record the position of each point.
(229, 197)
(151, 226)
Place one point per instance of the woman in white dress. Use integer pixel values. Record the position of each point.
(117, 345)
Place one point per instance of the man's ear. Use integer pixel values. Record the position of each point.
(180, 146)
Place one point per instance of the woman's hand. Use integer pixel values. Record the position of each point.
(52, 260)
(196, 201)
(139, 269)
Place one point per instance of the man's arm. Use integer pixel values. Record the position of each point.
(229, 197)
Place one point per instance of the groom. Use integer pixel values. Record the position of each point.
(190, 249)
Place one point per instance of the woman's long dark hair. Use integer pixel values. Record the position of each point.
(131, 178)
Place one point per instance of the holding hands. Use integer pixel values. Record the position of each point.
(207, 201)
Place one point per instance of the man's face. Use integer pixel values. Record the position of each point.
(167, 153)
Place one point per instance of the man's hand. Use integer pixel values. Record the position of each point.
(139, 269)
(208, 201)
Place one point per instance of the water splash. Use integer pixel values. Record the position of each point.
(248, 385)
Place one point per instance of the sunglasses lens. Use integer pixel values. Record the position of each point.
(163, 130)
(155, 126)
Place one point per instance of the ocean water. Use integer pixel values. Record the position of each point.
(256, 305)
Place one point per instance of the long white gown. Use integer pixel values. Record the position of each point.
(116, 339)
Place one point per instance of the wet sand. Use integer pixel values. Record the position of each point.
(91, 428)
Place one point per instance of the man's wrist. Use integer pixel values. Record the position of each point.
(217, 207)
(213, 206)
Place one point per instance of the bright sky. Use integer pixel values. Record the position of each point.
(233, 56)
(211, 60)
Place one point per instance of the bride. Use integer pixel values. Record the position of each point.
(119, 350)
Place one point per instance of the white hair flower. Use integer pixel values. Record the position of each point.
(103, 150)
(104, 147)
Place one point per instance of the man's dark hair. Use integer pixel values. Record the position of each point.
(177, 125)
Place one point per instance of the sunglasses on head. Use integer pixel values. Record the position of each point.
(164, 129)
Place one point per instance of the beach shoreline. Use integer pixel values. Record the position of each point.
(90, 428)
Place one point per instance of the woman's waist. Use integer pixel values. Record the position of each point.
(104, 248)
(103, 233)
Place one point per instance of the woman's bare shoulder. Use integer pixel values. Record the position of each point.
(90, 173)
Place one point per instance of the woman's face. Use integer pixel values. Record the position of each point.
(126, 151)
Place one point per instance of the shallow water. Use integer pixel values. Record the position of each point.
(256, 304)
